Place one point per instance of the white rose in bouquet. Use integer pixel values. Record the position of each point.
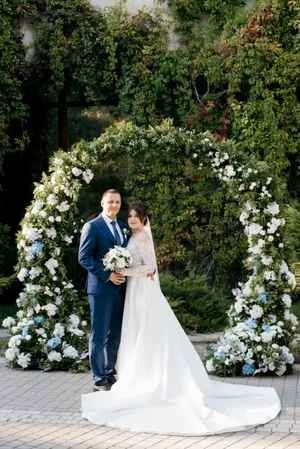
(117, 258)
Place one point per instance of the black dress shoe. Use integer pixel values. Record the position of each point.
(112, 381)
(105, 387)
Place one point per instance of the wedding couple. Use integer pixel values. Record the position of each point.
(147, 375)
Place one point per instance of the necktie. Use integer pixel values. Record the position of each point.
(116, 234)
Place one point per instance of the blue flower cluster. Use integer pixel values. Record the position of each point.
(25, 332)
(219, 354)
(248, 369)
(36, 248)
(54, 342)
(39, 203)
(251, 323)
(266, 327)
(39, 319)
(263, 297)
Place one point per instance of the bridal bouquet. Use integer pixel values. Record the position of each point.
(117, 258)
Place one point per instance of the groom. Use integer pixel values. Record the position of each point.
(105, 289)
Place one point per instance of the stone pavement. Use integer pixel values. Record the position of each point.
(41, 410)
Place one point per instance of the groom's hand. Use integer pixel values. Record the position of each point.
(117, 278)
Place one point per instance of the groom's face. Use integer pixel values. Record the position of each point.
(111, 204)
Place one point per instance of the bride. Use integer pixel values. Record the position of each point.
(162, 385)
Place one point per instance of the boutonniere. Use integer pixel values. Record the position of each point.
(125, 232)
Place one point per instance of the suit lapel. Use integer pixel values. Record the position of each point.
(101, 222)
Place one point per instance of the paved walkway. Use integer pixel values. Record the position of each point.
(41, 410)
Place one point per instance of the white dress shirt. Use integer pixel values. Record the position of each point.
(108, 222)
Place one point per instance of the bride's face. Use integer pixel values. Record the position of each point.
(134, 221)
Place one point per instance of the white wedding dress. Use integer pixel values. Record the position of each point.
(162, 384)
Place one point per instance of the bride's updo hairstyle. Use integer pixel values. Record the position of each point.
(140, 210)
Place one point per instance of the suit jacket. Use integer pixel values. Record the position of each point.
(96, 240)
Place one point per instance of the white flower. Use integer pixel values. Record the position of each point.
(75, 331)
(58, 219)
(70, 351)
(269, 275)
(210, 366)
(50, 308)
(256, 312)
(8, 322)
(63, 207)
(272, 208)
(51, 219)
(24, 360)
(52, 200)
(51, 264)
(58, 161)
(280, 370)
(253, 229)
(54, 356)
(287, 300)
(74, 319)
(39, 331)
(266, 337)
(252, 185)
(10, 354)
(229, 171)
(34, 272)
(76, 171)
(266, 260)
(51, 233)
(59, 330)
(32, 234)
(68, 239)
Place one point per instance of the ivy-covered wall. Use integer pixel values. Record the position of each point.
(235, 74)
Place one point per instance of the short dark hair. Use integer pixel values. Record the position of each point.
(108, 192)
(140, 209)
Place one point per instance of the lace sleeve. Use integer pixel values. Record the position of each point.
(144, 259)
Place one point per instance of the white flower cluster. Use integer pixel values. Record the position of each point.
(117, 258)
(252, 341)
(40, 260)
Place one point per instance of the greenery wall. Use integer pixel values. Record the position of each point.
(235, 74)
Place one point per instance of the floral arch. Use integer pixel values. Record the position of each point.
(49, 332)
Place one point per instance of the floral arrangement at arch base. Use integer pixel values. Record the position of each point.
(49, 332)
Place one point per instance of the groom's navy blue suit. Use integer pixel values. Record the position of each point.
(106, 299)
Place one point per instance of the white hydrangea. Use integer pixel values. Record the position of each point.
(59, 330)
(54, 356)
(88, 175)
(50, 308)
(287, 300)
(51, 233)
(70, 351)
(51, 264)
(266, 260)
(210, 366)
(24, 360)
(52, 199)
(76, 171)
(256, 312)
(63, 207)
(272, 208)
(34, 272)
(74, 319)
(8, 322)
(270, 275)
(11, 354)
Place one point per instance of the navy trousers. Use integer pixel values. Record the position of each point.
(106, 324)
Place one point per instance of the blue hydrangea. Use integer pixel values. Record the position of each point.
(251, 323)
(248, 369)
(219, 354)
(266, 327)
(36, 248)
(53, 342)
(39, 319)
(255, 269)
(263, 297)
(22, 295)
(25, 331)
